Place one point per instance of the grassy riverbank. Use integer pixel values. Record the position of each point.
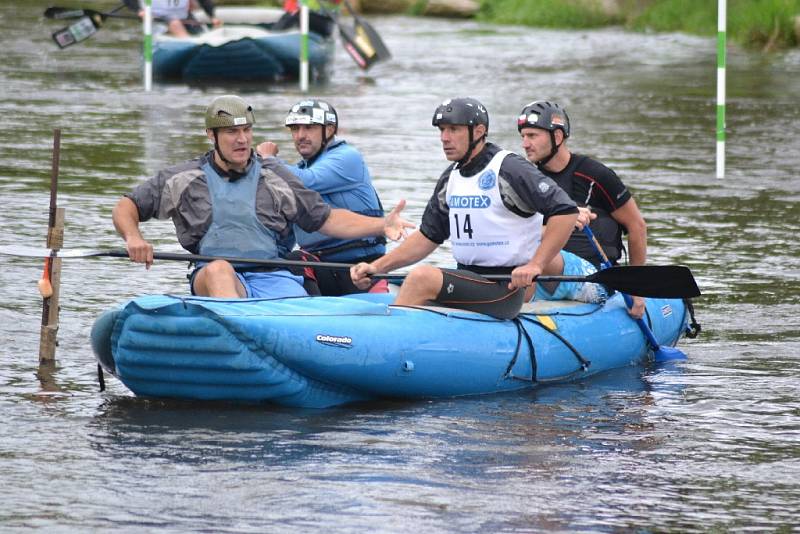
(759, 24)
(756, 24)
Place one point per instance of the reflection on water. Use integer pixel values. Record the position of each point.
(703, 444)
(420, 456)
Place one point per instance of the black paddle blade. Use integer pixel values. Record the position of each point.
(660, 281)
(363, 49)
(366, 31)
(362, 41)
(76, 32)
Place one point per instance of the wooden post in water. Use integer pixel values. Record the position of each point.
(50, 282)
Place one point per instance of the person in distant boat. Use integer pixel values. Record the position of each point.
(320, 20)
(545, 128)
(491, 204)
(176, 13)
(227, 203)
(337, 171)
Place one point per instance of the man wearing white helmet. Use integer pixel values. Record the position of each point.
(226, 203)
(337, 171)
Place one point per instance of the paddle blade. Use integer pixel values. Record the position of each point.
(76, 32)
(364, 50)
(661, 281)
(362, 41)
(367, 32)
(664, 354)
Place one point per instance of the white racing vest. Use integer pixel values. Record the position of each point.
(483, 231)
(170, 9)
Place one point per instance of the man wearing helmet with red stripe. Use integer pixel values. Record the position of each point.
(545, 128)
(491, 204)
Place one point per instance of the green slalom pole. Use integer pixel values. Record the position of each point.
(148, 46)
(721, 45)
(303, 47)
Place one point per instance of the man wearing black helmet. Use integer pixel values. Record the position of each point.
(491, 204)
(226, 203)
(337, 171)
(545, 128)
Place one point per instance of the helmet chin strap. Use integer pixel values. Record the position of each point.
(218, 150)
(553, 151)
(325, 141)
(234, 174)
(472, 144)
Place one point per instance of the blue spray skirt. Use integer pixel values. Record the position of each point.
(323, 351)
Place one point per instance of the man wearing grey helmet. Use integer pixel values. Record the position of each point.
(491, 204)
(337, 171)
(226, 203)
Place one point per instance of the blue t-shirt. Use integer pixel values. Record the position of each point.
(340, 175)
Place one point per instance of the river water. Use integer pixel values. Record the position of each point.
(709, 443)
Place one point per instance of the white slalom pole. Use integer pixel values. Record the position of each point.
(721, 46)
(148, 46)
(303, 47)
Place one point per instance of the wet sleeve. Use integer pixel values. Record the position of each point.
(148, 194)
(526, 191)
(159, 196)
(435, 223)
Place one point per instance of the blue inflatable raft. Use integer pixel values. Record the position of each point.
(323, 351)
(234, 53)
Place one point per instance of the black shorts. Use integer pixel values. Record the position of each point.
(467, 290)
(327, 282)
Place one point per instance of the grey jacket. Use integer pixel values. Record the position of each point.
(181, 193)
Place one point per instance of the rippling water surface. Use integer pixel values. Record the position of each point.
(712, 442)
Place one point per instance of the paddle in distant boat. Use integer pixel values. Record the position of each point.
(660, 352)
(89, 21)
(664, 281)
(362, 41)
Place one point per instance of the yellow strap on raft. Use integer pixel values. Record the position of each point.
(547, 322)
